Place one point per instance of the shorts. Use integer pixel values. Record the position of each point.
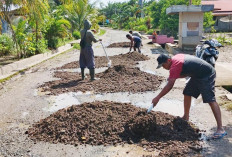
(137, 44)
(87, 58)
(204, 86)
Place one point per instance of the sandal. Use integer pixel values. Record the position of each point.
(219, 135)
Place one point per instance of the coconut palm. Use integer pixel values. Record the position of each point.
(78, 11)
(36, 10)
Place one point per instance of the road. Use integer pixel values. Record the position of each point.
(22, 104)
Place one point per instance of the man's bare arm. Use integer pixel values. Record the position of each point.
(164, 91)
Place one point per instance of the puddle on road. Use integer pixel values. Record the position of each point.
(170, 106)
(65, 100)
(143, 100)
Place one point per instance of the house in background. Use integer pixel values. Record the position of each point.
(14, 15)
(222, 14)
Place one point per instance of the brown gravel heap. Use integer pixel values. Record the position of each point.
(111, 123)
(115, 79)
(120, 44)
(129, 59)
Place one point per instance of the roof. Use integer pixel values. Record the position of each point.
(221, 7)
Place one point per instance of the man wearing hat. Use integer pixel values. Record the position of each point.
(202, 82)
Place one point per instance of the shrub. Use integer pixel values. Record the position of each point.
(150, 31)
(53, 42)
(29, 48)
(76, 35)
(6, 45)
(76, 46)
(141, 28)
(41, 46)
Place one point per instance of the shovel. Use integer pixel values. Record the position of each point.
(109, 61)
(150, 108)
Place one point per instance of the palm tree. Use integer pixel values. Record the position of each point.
(78, 11)
(5, 14)
(36, 10)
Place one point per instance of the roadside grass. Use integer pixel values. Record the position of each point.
(102, 32)
(229, 106)
(225, 102)
(77, 46)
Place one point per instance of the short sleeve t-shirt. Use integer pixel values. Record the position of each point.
(136, 39)
(187, 65)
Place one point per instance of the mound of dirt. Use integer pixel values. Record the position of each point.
(112, 123)
(115, 79)
(128, 59)
(120, 44)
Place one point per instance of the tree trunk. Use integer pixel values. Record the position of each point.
(19, 55)
(36, 37)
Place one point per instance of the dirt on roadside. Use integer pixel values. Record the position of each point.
(112, 123)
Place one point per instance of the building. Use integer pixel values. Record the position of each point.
(13, 12)
(222, 13)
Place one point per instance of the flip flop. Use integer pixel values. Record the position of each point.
(219, 135)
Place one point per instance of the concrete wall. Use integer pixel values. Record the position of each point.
(190, 36)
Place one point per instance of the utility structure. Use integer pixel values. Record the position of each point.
(190, 24)
(141, 8)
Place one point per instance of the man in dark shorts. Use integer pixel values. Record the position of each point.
(87, 54)
(137, 34)
(135, 42)
(202, 82)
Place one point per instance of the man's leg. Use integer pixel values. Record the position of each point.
(139, 50)
(187, 105)
(217, 114)
(134, 48)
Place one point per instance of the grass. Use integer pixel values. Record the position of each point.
(77, 46)
(229, 106)
(102, 32)
(225, 102)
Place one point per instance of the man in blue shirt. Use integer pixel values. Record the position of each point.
(135, 42)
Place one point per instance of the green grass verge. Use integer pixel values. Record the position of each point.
(77, 46)
(102, 32)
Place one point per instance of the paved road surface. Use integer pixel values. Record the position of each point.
(22, 105)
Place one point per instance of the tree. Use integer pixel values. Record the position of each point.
(78, 11)
(36, 10)
(167, 23)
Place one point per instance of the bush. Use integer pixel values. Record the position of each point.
(150, 31)
(29, 48)
(76, 46)
(41, 46)
(141, 28)
(53, 43)
(6, 45)
(76, 35)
